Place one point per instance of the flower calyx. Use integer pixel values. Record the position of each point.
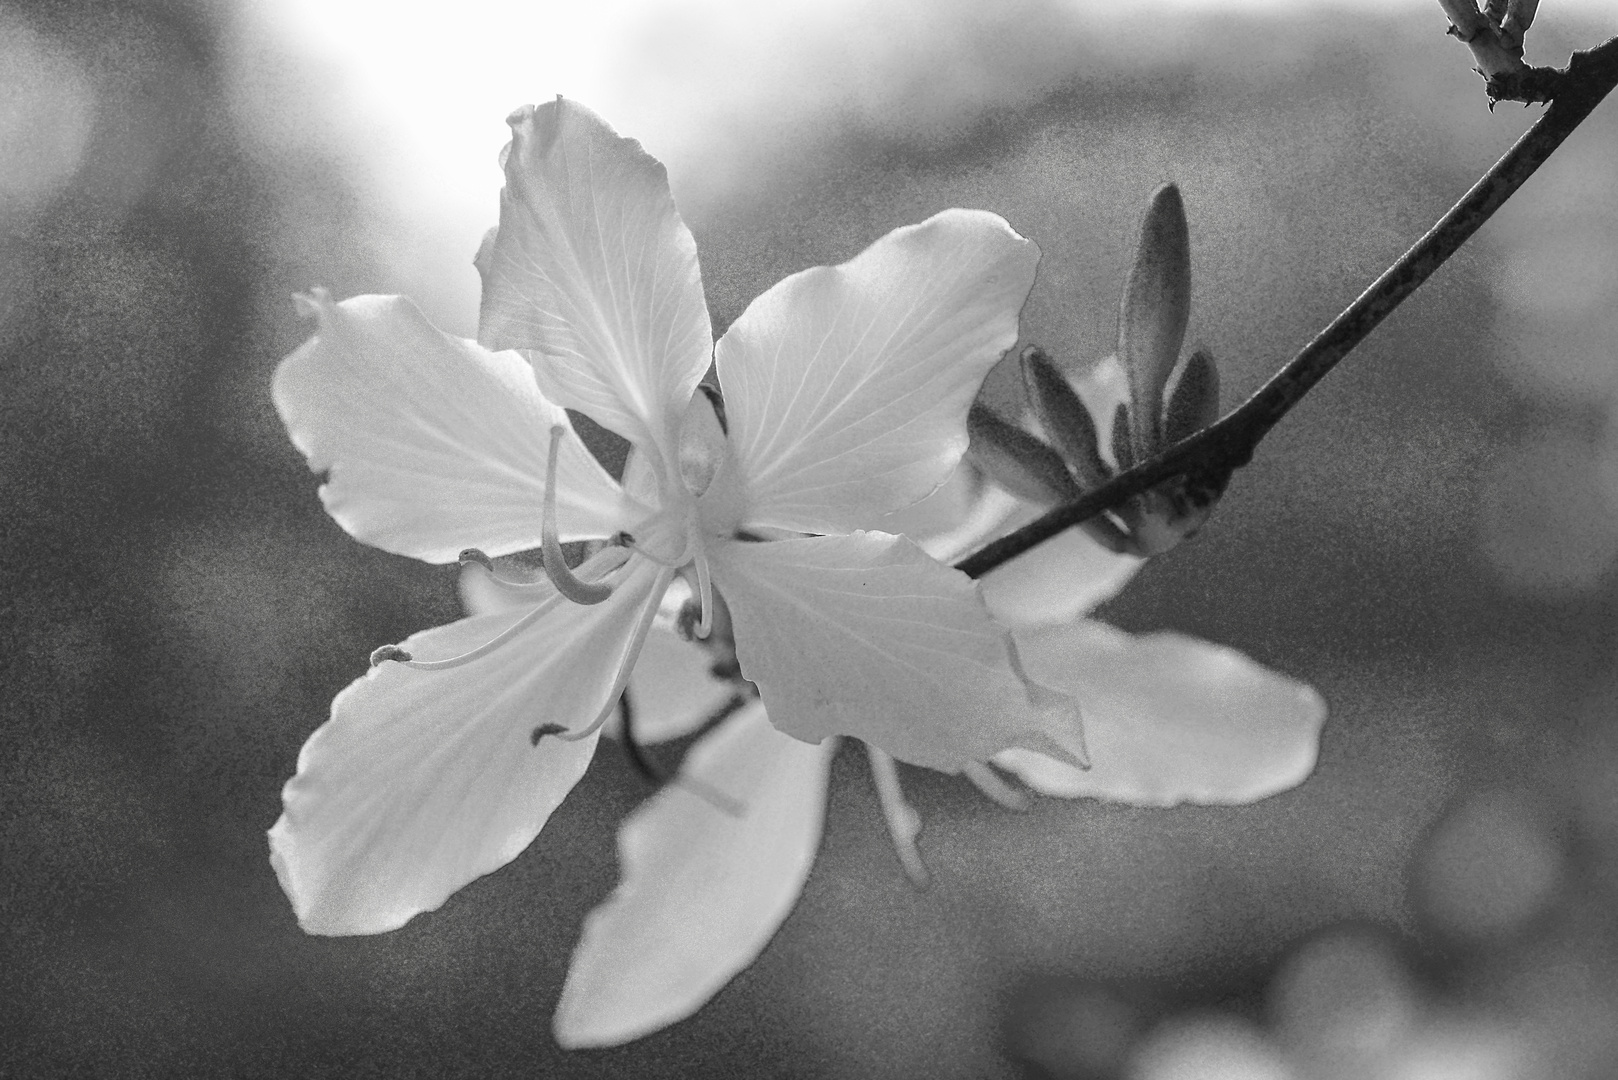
(1127, 409)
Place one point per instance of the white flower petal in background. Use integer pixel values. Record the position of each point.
(702, 890)
(673, 689)
(846, 387)
(866, 635)
(594, 276)
(1169, 719)
(433, 444)
(1056, 582)
(424, 780)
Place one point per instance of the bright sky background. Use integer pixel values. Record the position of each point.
(417, 91)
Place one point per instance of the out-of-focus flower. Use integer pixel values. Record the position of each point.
(1169, 720)
(845, 396)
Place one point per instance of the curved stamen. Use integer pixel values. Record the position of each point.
(402, 657)
(704, 590)
(474, 557)
(630, 655)
(556, 568)
(904, 824)
(995, 787)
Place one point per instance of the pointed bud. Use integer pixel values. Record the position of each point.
(1065, 417)
(1016, 460)
(1152, 317)
(1193, 403)
(1123, 451)
(702, 440)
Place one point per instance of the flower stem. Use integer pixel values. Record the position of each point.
(1207, 458)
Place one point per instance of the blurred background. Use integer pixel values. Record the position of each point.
(1430, 539)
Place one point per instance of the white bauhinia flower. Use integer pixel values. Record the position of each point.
(845, 392)
(703, 887)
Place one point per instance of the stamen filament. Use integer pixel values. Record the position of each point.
(473, 556)
(482, 650)
(705, 591)
(995, 787)
(556, 568)
(630, 654)
(904, 824)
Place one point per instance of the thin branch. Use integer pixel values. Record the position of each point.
(1206, 459)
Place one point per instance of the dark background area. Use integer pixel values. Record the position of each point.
(1429, 540)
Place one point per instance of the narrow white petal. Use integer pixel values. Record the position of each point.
(847, 387)
(594, 276)
(432, 444)
(701, 891)
(1170, 719)
(866, 635)
(422, 781)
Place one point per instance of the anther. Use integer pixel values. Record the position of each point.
(546, 729)
(389, 652)
(556, 568)
(473, 555)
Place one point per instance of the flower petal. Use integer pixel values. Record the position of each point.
(1170, 719)
(1057, 581)
(702, 891)
(866, 635)
(433, 444)
(674, 690)
(846, 388)
(594, 276)
(422, 781)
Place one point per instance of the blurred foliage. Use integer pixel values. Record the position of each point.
(1430, 540)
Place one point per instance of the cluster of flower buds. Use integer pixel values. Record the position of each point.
(1127, 409)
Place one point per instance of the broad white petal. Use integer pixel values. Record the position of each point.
(1170, 719)
(422, 781)
(846, 388)
(866, 635)
(594, 276)
(432, 444)
(1056, 582)
(701, 891)
(674, 690)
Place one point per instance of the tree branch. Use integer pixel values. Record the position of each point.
(1207, 459)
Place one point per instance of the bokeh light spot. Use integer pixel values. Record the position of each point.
(46, 110)
(1489, 867)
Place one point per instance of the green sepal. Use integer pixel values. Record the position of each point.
(1193, 403)
(1153, 313)
(1123, 451)
(1065, 417)
(1016, 460)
